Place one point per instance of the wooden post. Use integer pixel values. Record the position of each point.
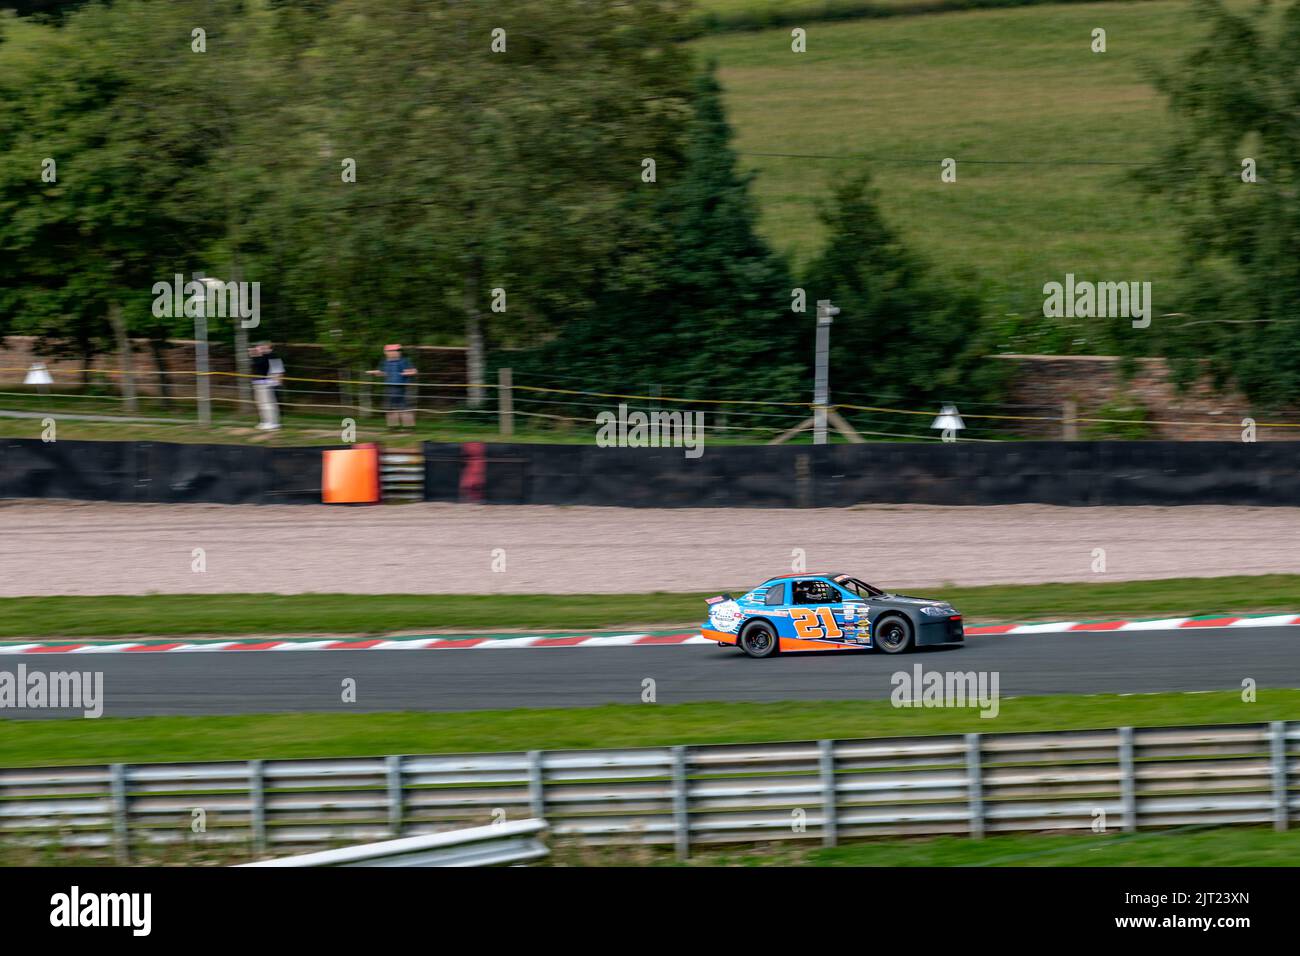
(124, 356)
(505, 402)
(243, 381)
(1070, 426)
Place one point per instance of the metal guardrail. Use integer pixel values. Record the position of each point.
(492, 845)
(684, 796)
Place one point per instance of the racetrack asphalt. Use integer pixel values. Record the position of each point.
(1076, 663)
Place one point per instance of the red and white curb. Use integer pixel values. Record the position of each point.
(1160, 624)
(378, 644)
(605, 640)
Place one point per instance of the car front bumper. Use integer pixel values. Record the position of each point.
(943, 631)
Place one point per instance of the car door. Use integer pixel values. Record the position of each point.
(817, 612)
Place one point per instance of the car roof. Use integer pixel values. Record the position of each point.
(809, 574)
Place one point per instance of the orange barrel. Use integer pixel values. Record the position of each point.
(350, 475)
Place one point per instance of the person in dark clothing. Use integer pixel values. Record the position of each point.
(266, 369)
(397, 372)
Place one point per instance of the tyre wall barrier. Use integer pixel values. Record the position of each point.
(159, 472)
(830, 476)
(764, 476)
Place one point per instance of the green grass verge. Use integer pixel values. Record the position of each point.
(1222, 846)
(180, 614)
(271, 736)
(299, 428)
(1016, 97)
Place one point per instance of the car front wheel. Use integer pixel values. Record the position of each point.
(758, 640)
(893, 635)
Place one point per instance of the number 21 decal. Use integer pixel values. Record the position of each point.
(814, 623)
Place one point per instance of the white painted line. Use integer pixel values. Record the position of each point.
(16, 648)
(507, 642)
(105, 648)
(1276, 620)
(1052, 628)
(1166, 624)
(217, 646)
(301, 646)
(613, 640)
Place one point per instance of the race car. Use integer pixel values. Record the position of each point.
(828, 612)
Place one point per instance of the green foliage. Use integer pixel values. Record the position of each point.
(699, 301)
(1127, 421)
(1235, 98)
(475, 169)
(124, 202)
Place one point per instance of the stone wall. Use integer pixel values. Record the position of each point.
(1045, 383)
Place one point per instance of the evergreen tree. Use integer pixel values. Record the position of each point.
(698, 305)
(903, 337)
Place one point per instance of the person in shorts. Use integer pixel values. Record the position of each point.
(397, 372)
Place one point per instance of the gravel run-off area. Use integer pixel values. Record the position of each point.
(49, 548)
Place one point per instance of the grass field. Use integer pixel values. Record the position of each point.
(278, 736)
(1016, 97)
(1235, 846)
(1225, 846)
(75, 413)
(1241, 846)
(179, 614)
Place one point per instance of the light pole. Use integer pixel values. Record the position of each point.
(202, 385)
(821, 384)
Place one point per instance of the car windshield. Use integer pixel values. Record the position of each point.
(860, 588)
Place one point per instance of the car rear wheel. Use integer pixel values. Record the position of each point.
(893, 635)
(758, 640)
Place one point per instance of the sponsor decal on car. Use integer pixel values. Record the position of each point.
(726, 617)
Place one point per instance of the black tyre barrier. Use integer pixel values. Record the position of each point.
(834, 476)
(731, 476)
(159, 472)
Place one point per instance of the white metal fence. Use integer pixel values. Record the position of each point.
(513, 842)
(685, 796)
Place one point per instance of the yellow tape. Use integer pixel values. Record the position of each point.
(722, 401)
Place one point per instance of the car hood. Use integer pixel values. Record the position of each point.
(906, 600)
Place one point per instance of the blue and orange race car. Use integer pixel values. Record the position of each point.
(828, 612)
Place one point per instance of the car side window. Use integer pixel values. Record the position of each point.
(775, 595)
(815, 592)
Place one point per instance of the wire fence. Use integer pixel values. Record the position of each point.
(553, 403)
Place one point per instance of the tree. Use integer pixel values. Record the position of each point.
(904, 336)
(1234, 98)
(505, 163)
(698, 303)
(101, 186)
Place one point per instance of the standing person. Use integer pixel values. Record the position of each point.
(397, 371)
(266, 369)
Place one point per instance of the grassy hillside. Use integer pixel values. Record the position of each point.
(1015, 96)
